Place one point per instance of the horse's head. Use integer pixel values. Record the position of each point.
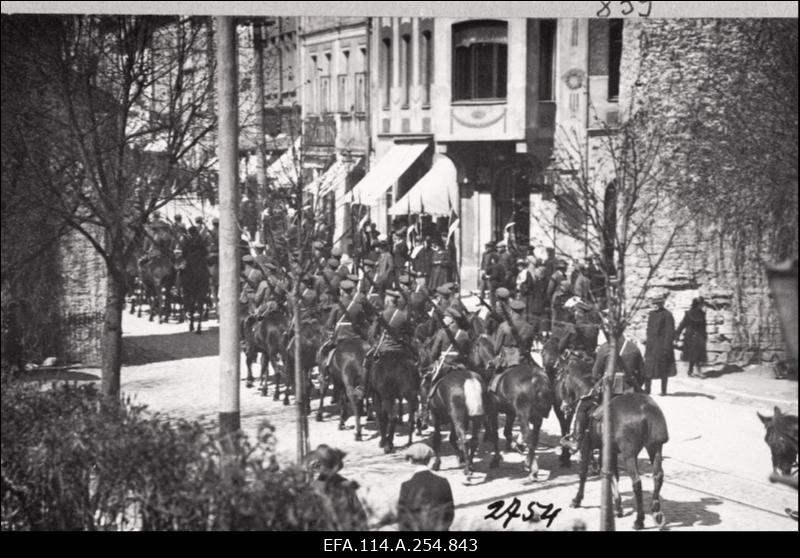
(781, 437)
(550, 354)
(483, 356)
(574, 381)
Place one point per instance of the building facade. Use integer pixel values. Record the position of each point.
(487, 98)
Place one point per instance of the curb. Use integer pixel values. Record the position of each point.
(737, 397)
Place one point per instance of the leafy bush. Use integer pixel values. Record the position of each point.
(74, 460)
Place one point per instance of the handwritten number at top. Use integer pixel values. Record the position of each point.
(642, 9)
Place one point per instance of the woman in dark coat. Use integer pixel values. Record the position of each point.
(440, 266)
(659, 357)
(694, 340)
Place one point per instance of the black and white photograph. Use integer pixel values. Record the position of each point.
(412, 272)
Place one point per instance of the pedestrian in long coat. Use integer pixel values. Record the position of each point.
(423, 260)
(659, 357)
(694, 338)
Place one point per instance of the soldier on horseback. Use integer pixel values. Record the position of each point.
(514, 338)
(347, 320)
(451, 345)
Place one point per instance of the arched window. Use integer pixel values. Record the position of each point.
(480, 60)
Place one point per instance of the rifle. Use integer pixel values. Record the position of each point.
(492, 311)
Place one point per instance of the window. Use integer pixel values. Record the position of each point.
(386, 72)
(361, 92)
(426, 67)
(480, 54)
(547, 58)
(406, 69)
(325, 84)
(314, 101)
(614, 57)
(343, 83)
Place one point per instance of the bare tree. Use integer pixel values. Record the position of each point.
(119, 124)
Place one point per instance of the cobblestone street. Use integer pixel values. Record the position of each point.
(716, 462)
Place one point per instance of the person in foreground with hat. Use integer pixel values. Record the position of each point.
(659, 355)
(426, 499)
(339, 495)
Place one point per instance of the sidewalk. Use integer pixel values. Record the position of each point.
(753, 386)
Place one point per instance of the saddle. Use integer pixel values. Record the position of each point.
(495, 381)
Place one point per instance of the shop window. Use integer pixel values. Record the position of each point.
(547, 59)
(614, 57)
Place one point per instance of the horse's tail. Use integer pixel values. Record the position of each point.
(657, 426)
(473, 396)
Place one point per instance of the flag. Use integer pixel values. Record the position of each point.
(366, 215)
(454, 221)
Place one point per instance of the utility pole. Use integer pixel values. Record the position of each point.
(227, 77)
(261, 125)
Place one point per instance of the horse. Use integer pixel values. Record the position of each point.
(462, 399)
(522, 390)
(268, 337)
(637, 422)
(310, 341)
(781, 437)
(393, 377)
(133, 282)
(157, 273)
(349, 375)
(571, 378)
(193, 281)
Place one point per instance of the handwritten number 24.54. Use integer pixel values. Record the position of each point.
(626, 9)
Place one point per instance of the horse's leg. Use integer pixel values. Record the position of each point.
(289, 366)
(358, 408)
(508, 430)
(262, 379)
(658, 480)
(436, 442)
(289, 381)
(412, 412)
(344, 407)
(632, 466)
(189, 309)
(377, 404)
(533, 441)
(615, 484)
(474, 441)
(586, 451)
(494, 437)
(390, 411)
(563, 422)
(460, 429)
(200, 303)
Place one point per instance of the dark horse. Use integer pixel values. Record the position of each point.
(636, 422)
(462, 399)
(268, 337)
(781, 437)
(193, 281)
(571, 378)
(523, 391)
(349, 377)
(310, 340)
(393, 377)
(157, 272)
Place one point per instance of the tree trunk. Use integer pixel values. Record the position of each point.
(112, 335)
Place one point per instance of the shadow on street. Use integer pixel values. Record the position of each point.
(147, 349)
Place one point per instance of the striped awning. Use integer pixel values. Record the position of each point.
(386, 172)
(435, 194)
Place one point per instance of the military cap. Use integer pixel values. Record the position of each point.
(271, 266)
(368, 263)
(517, 305)
(309, 296)
(453, 313)
(404, 280)
(490, 244)
(333, 262)
(317, 244)
(419, 453)
(502, 244)
(394, 294)
(658, 296)
(582, 306)
(347, 285)
(353, 278)
(215, 221)
(561, 264)
(247, 258)
(382, 239)
(336, 251)
(503, 293)
(198, 220)
(522, 262)
(444, 290)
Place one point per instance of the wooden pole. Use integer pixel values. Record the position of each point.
(228, 147)
(606, 508)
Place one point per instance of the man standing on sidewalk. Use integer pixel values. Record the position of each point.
(659, 357)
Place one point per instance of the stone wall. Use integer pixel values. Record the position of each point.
(665, 66)
(81, 308)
